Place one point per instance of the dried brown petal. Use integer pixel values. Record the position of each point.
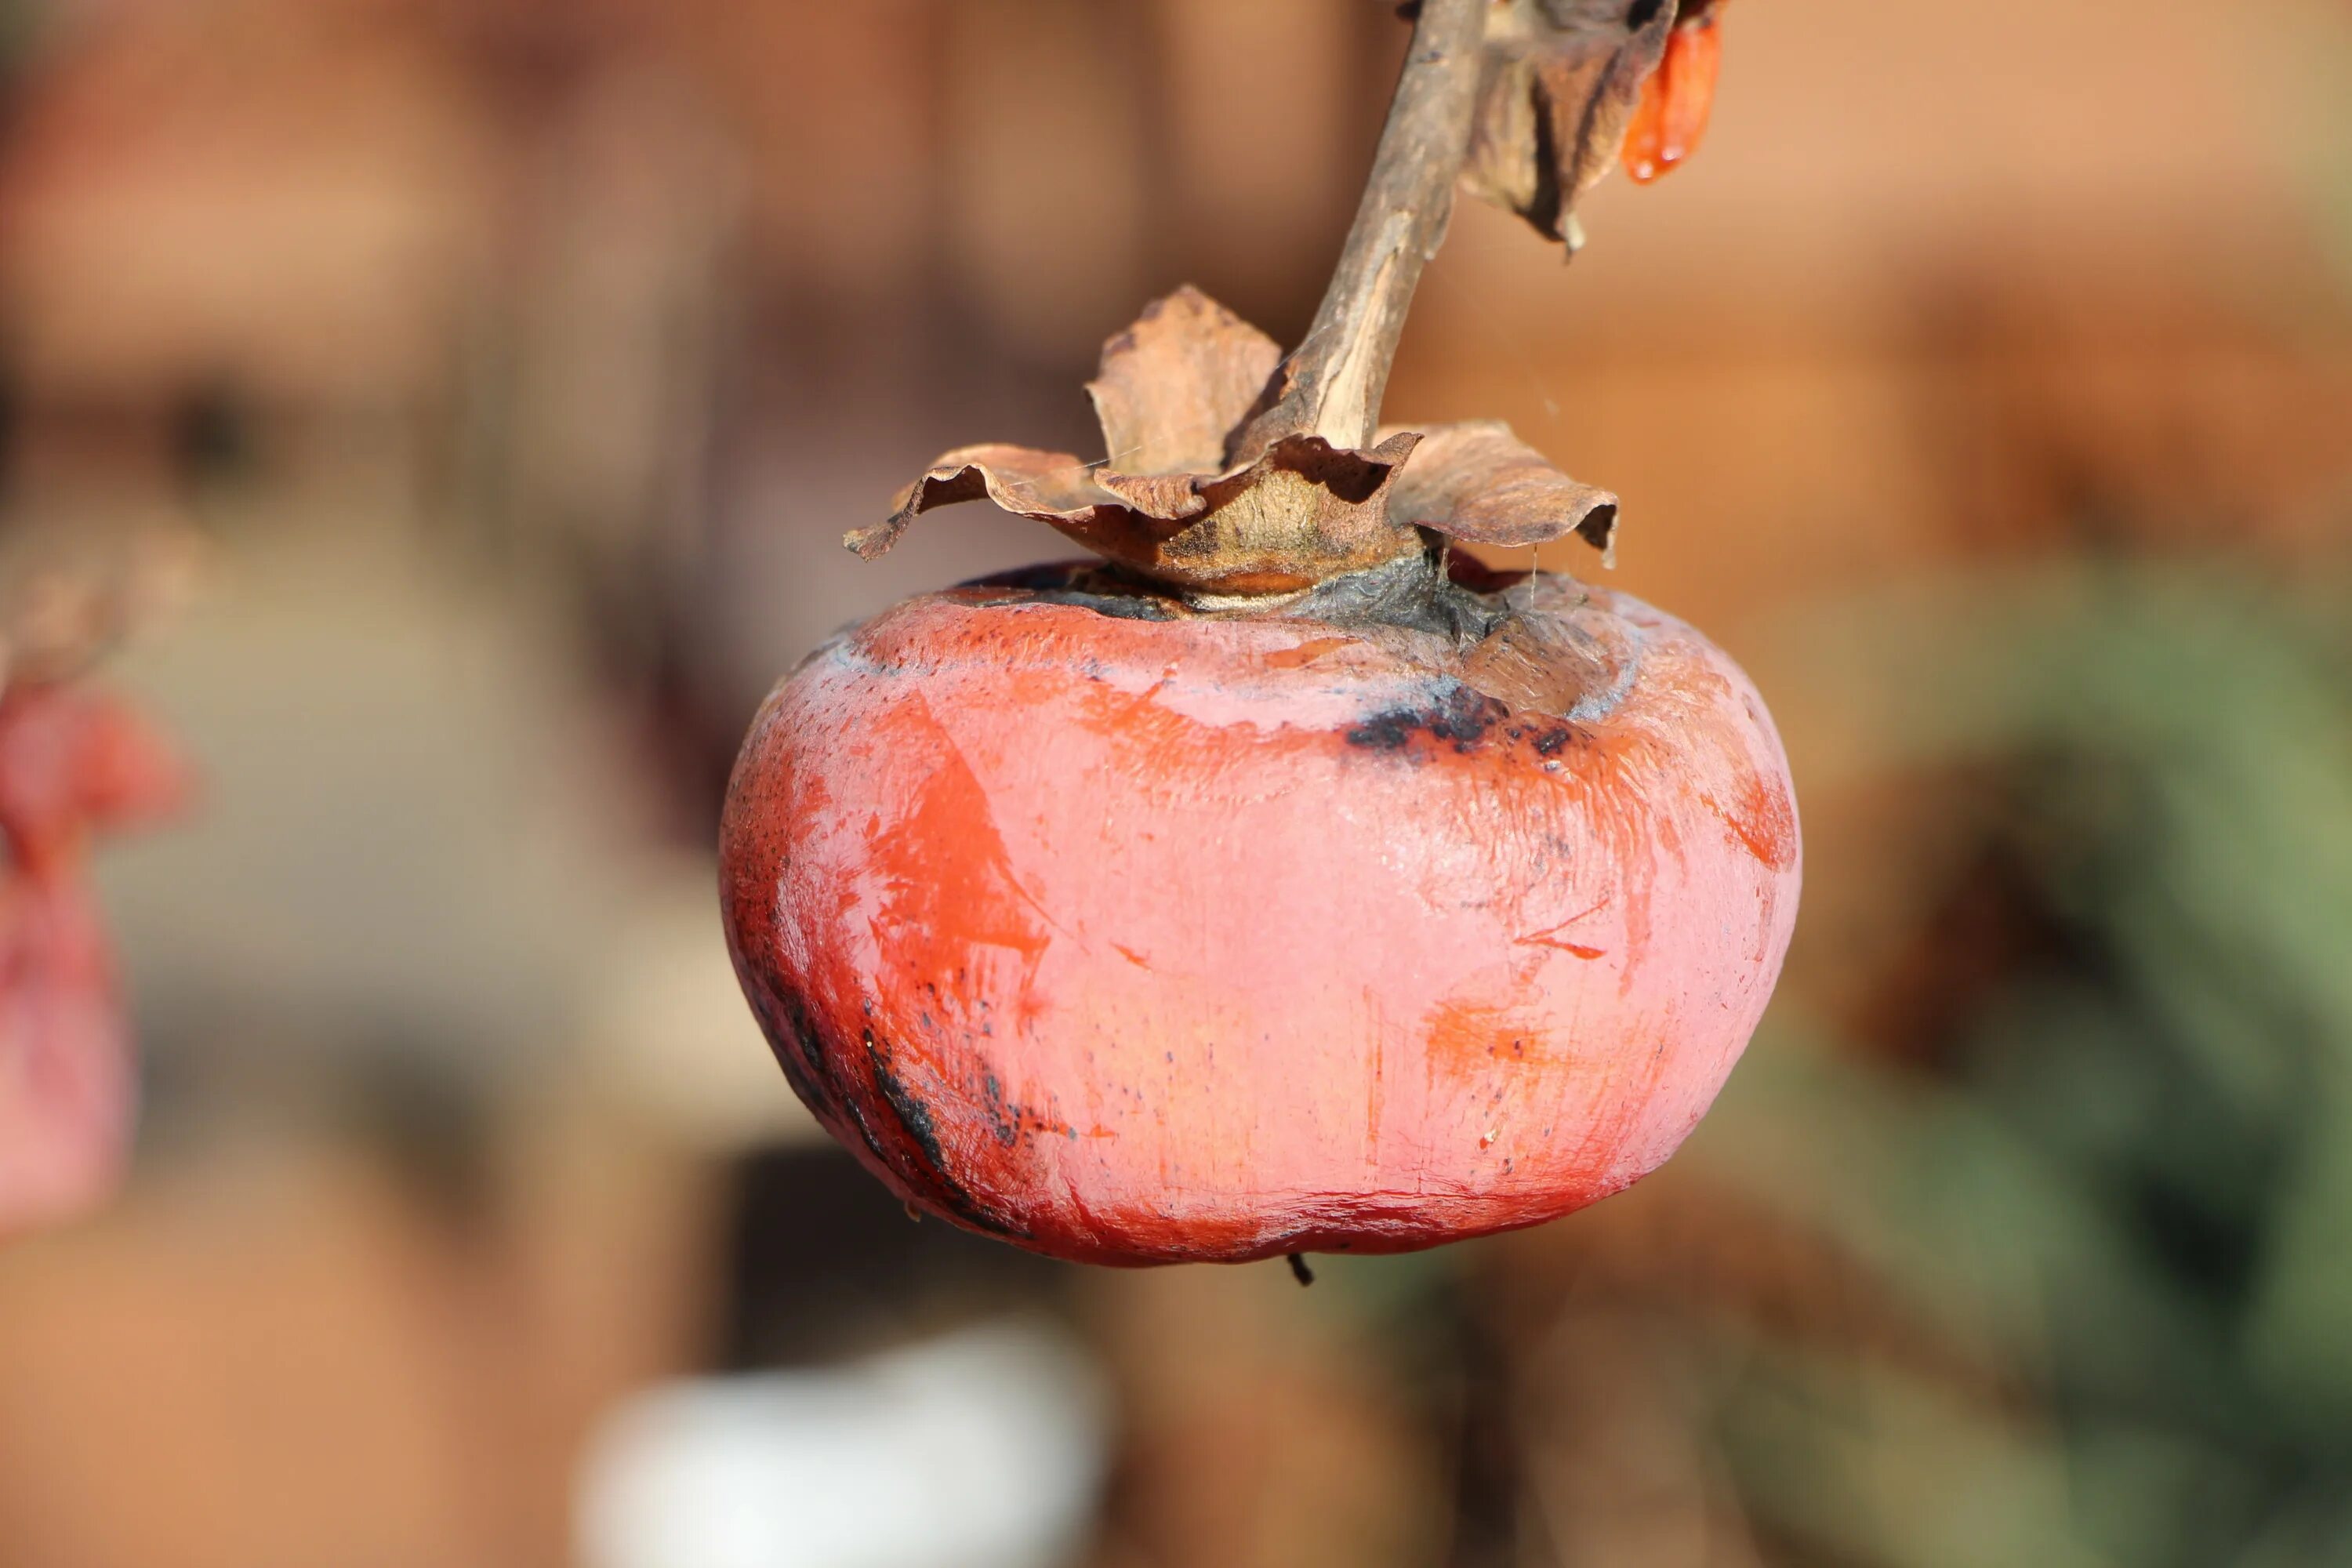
(1177, 382)
(1563, 77)
(1172, 389)
(1304, 511)
(1052, 487)
(1481, 484)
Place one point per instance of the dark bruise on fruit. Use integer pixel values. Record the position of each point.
(793, 1039)
(912, 1114)
(1458, 715)
(932, 1170)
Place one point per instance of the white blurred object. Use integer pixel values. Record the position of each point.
(983, 1450)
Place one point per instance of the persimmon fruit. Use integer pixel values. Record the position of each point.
(1287, 881)
(1135, 939)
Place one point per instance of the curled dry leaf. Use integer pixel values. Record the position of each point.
(1479, 483)
(1174, 393)
(1175, 385)
(1562, 80)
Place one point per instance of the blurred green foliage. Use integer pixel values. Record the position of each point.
(2126, 1178)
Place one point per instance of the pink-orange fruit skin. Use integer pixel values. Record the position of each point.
(66, 1088)
(72, 763)
(1144, 941)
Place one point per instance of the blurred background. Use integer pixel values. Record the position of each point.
(513, 367)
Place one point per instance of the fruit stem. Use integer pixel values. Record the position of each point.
(1331, 383)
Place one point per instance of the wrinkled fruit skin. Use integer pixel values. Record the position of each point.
(1137, 941)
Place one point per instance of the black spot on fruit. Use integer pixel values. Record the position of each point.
(783, 1016)
(1005, 1119)
(1459, 715)
(911, 1112)
(921, 1129)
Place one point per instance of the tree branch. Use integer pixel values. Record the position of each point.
(1331, 385)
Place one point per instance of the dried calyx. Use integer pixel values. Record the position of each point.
(1237, 475)
(1174, 388)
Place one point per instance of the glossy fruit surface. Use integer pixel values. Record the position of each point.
(1135, 936)
(1679, 99)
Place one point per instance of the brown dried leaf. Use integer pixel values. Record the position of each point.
(1479, 483)
(1175, 385)
(1563, 79)
(1052, 487)
(1304, 511)
(1172, 390)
